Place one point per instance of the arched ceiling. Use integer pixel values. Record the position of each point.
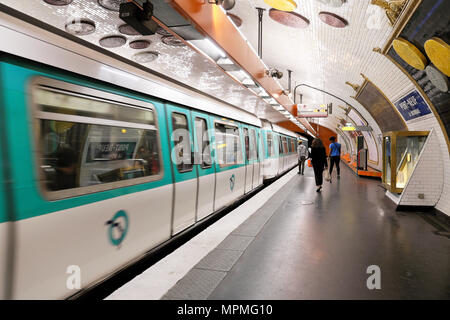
(323, 56)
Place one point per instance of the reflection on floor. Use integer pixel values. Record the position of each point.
(305, 245)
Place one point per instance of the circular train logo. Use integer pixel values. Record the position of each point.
(232, 181)
(118, 227)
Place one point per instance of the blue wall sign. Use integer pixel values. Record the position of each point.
(412, 106)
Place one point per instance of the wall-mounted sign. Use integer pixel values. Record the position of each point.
(368, 136)
(412, 106)
(312, 111)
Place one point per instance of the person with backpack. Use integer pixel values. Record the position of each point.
(335, 156)
(302, 153)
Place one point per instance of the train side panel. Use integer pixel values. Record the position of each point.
(4, 223)
(63, 241)
(229, 162)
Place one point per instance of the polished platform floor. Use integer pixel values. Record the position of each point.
(308, 245)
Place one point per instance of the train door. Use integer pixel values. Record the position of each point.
(254, 157)
(229, 163)
(204, 163)
(4, 224)
(248, 161)
(280, 154)
(261, 152)
(185, 173)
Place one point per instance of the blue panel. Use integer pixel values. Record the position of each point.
(412, 106)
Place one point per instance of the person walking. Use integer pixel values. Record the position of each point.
(335, 156)
(302, 153)
(319, 161)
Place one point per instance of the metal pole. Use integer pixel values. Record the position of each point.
(260, 17)
(303, 84)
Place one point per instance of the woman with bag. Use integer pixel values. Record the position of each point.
(319, 161)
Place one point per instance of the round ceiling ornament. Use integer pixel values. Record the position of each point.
(236, 20)
(409, 53)
(438, 79)
(140, 44)
(283, 5)
(80, 27)
(332, 19)
(113, 5)
(333, 3)
(172, 41)
(145, 57)
(290, 19)
(163, 32)
(439, 53)
(113, 41)
(58, 2)
(128, 30)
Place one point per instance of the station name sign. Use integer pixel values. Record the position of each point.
(412, 106)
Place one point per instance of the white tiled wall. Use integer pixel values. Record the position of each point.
(427, 177)
(436, 162)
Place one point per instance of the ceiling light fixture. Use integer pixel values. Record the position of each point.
(208, 48)
(113, 5)
(145, 57)
(226, 4)
(283, 5)
(80, 27)
(58, 2)
(140, 44)
(290, 19)
(128, 30)
(112, 41)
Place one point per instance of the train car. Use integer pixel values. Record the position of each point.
(95, 175)
(280, 150)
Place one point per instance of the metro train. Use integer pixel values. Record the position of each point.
(101, 163)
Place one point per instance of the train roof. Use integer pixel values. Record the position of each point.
(30, 42)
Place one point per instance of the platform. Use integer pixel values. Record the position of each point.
(370, 172)
(306, 245)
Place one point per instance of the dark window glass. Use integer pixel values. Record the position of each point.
(253, 146)
(203, 142)
(270, 147)
(79, 155)
(228, 145)
(62, 102)
(182, 142)
(247, 144)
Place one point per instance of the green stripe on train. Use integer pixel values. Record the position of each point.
(28, 201)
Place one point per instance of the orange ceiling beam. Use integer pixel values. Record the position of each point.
(211, 20)
(289, 125)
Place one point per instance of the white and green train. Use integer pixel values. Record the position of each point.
(101, 163)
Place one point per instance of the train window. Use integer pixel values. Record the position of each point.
(83, 152)
(253, 151)
(247, 144)
(269, 144)
(290, 145)
(59, 101)
(182, 143)
(228, 145)
(280, 145)
(285, 145)
(202, 135)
